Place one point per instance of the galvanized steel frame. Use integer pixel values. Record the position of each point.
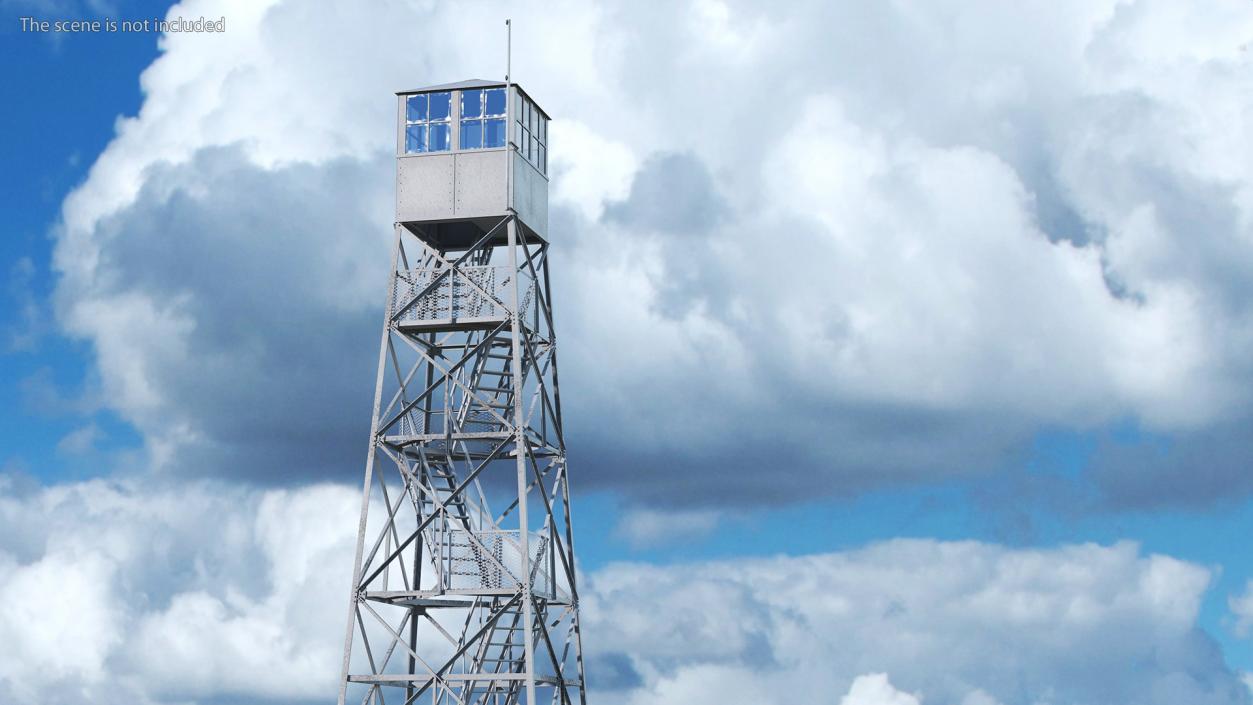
(461, 402)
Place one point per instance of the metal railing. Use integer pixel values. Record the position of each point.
(466, 292)
(490, 559)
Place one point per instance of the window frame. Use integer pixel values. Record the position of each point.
(482, 119)
(530, 132)
(428, 122)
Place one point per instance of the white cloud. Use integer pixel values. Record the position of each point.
(978, 697)
(1241, 607)
(960, 280)
(649, 527)
(589, 169)
(876, 689)
(112, 590)
(951, 622)
(81, 440)
(204, 593)
(62, 612)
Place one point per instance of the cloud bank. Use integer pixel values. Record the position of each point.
(206, 593)
(838, 244)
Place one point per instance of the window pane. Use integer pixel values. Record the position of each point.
(441, 104)
(415, 108)
(543, 160)
(543, 130)
(415, 139)
(524, 143)
(495, 133)
(517, 106)
(471, 134)
(496, 102)
(441, 135)
(471, 104)
(517, 134)
(534, 150)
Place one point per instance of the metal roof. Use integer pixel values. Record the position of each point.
(455, 86)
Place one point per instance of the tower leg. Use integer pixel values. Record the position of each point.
(369, 476)
(521, 448)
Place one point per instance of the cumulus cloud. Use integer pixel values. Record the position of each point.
(951, 622)
(230, 325)
(854, 244)
(112, 591)
(876, 689)
(205, 592)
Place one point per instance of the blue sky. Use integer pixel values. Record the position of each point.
(1092, 406)
(72, 89)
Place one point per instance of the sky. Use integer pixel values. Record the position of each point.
(905, 345)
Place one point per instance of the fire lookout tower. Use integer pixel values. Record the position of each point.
(463, 585)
